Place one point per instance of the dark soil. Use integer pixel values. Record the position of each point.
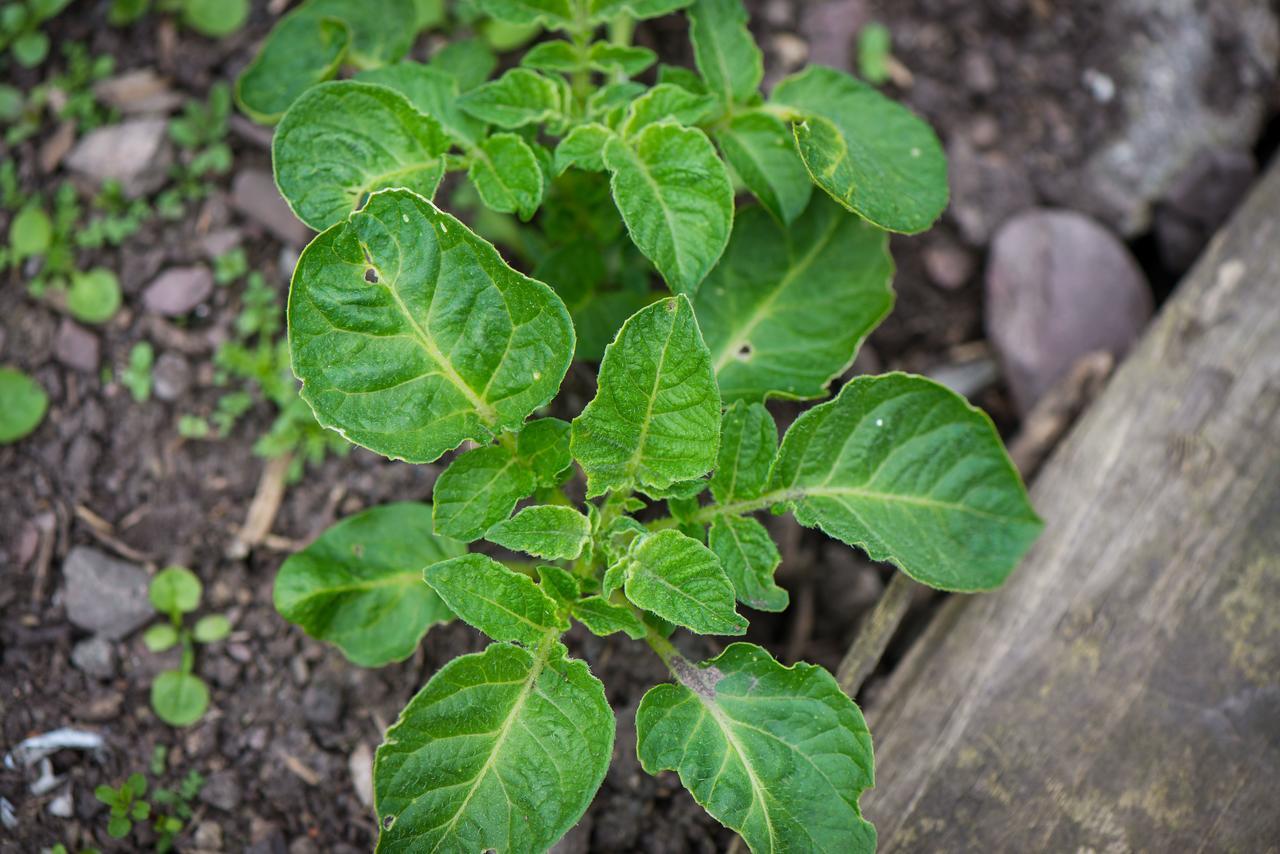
(288, 713)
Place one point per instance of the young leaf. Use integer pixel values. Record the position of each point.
(663, 102)
(175, 589)
(778, 754)
(909, 471)
(724, 51)
(518, 98)
(504, 604)
(749, 557)
(382, 31)
(872, 155)
(506, 173)
(555, 55)
(359, 585)
(583, 148)
(160, 637)
(559, 584)
(552, 14)
(179, 699)
(343, 140)
(616, 58)
(23, 403)
(211, 628)
(411, 334)
(94, 295)
(300, 51)
(435, 93)
(502, 750)
(602, 10)
(603, 618)
(763, 153)
(30, 232)
(675, 196)
(478, 490)
(681, 580)
(543, 448)
(655, 418)
(767, 334)
(469, 61)
(748, 444)
(549, 531)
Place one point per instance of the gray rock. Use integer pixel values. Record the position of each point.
(222, 791)
(1199, 202)
(322, 703)
(1059, 285)
(303, 845)
(76, 347)
(178, 290)
(218, 243)
(171, 376)
(138, 92)
(105, 595)
(136, 153)
(254, 194)
(208, 836)
(96, 657)
(986, 189)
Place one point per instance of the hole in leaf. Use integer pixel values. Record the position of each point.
(744, 353)
(388, 821)
(371, 276)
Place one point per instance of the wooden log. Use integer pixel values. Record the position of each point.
(1122, 692)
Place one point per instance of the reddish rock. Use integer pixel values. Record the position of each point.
(76, 347)
(178, 290)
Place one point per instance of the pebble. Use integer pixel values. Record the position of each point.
(96, 657)
(360, 764)
(1059, 285)
(137, 92)
(100, 708)
(322, 703)
(1199, 202)
(949, 265)
(303, 845)
(986, 189)
(218, 243)
(105, 595)
(254, 194)
(222, 791)
(208, 836)
(178, 290)
(171, 377)
(137, 153)
(77, 347)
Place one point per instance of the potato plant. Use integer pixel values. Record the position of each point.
(413, 337)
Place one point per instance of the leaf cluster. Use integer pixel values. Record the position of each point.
(178, 696)
(20, 33)
(167, 809)
(213, 18)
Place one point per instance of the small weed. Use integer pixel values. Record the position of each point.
(179, 697)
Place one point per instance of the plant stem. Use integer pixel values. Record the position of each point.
(877, 629)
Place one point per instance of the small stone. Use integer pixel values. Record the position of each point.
(215, 244)
(979, 72)
(96, 657)
(984, 130)
(360, 764)
(791, 50)
(208, 836)
(986, 189)
(303, 845)
(1199, 202)
(105, 595)
(62, 806)
(254, 194)
(135, 153)
(1059, 286)
(178, 290)
(76, 347)
(100, 708)
(222, 791)
(171, 377)
(322, 703)
(137, 92)
(949, 265)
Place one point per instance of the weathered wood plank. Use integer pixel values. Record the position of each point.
(1122, 692)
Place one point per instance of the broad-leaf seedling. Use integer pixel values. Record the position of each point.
(414, 338)
(179, 697)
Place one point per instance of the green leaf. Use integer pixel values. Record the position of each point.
(175, 589)
(502, 750)
(543, 448)
(628, 60)
(749, 558)
(778, 754)
(160, 637)
(655, 418)
(549, 531)
(609, 102)
(382, 30)
(554, 55)
(94, 296)
(872, 155)
(23, 403)
(448, 344)
(31, 231)
(748, 444)
(666, 101)
(211, 628)
(179, 699)
(118, 827)
(343, 140)
(518, 98)
(215, 18)
(504, 604)
(602, 10)
(685, 78)
(559, 584)
(469, 61)
(583, 147)
(724, 50)
(30, 48)
(552, 14)
(479, 489)
(907, 470)
(300, 52)
(787, 309)
(506, 173)
(604, 618)
(435, 93)
(762, 151)
(675, 196)
(359, 586)
(681, 580)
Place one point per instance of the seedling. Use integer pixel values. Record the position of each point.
(179, 697)
(201, 133)
(23, 403)
(20, 32)
(136, 376)
(126, 803)
(66, 95)
(412, 336)
(214, 18)
(168, 810)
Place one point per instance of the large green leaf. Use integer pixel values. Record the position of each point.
(506, 173)
(872, 155)
(749, 557)
(433, 92)
(519, 97)
(550, 531)
(502, 750)
(762, 152)
(909, 471)
(300, 52)
(382, 30)
(359, 586)
(583, 147)
(666, 101)
(778, 754)
(787, 308)
(500, 602)
(748, 444)
(411, 334)
(655, 418)
(343, 140)
(681, 580)
(724, 50)
(676, 198)
(479, 489)
(543, 448)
